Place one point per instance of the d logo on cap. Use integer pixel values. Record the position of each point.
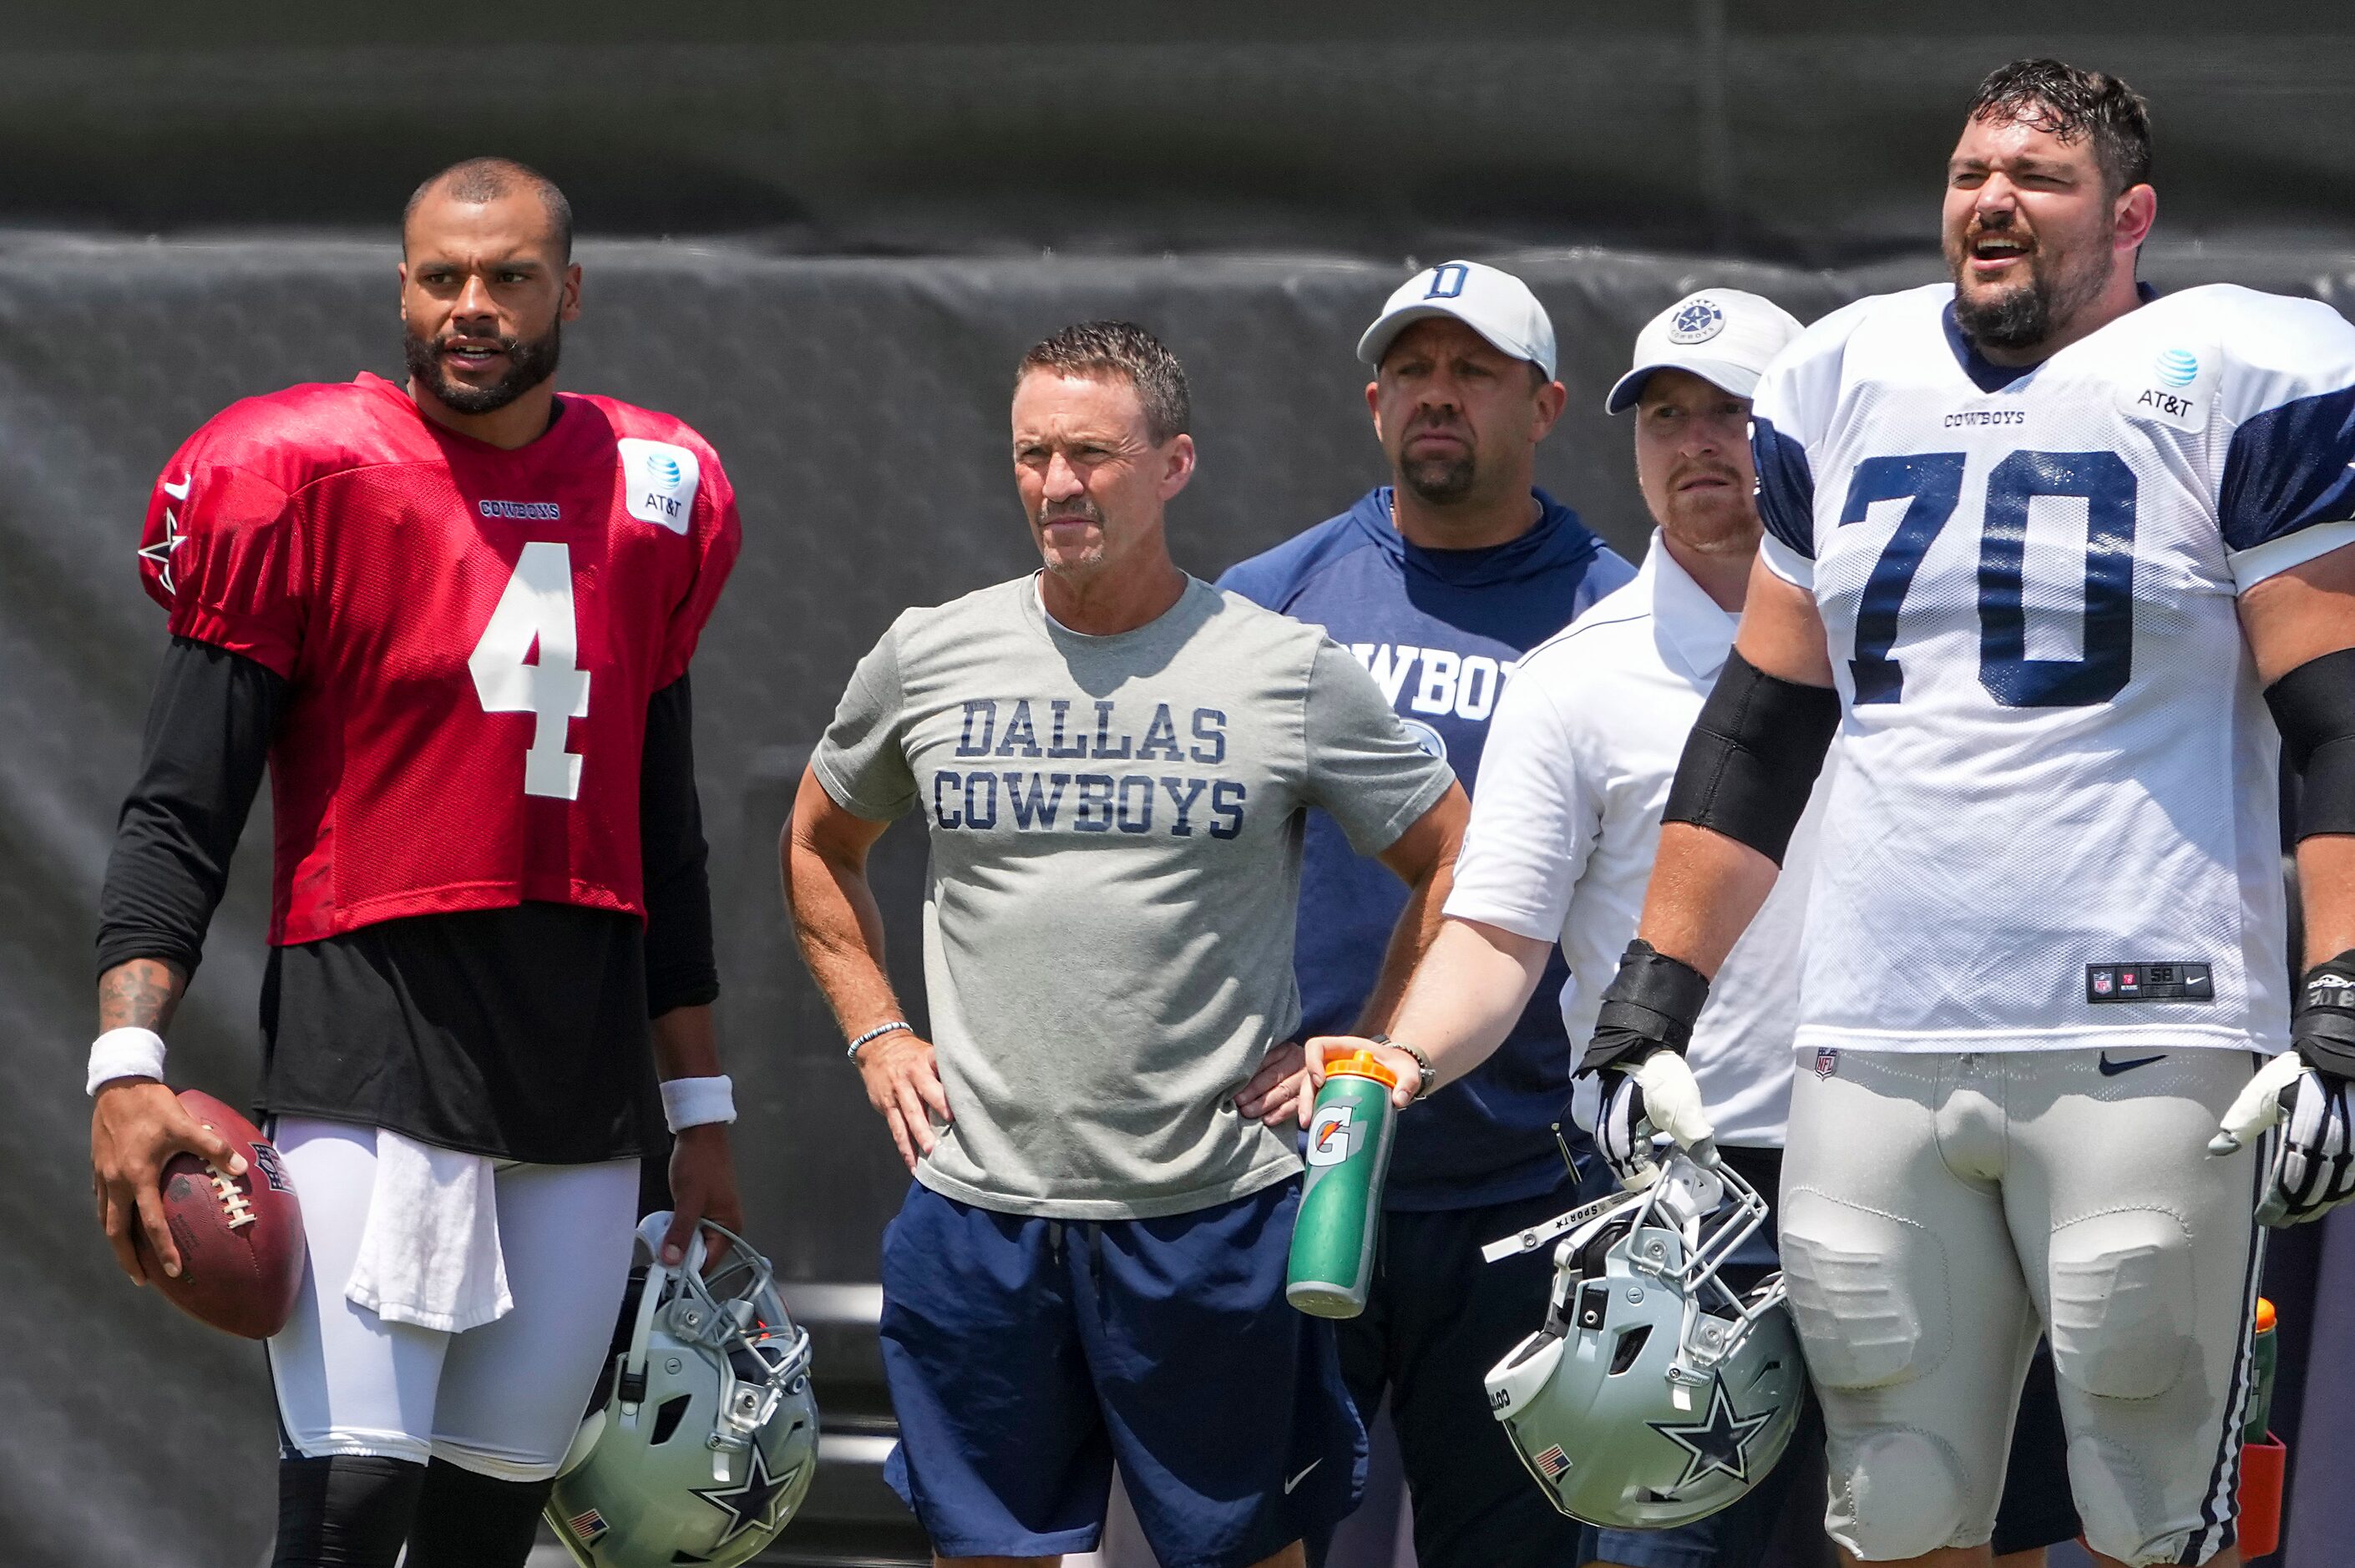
(1448, 280)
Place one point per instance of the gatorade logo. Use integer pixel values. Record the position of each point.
(1328, 1136)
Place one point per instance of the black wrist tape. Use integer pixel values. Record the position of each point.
(1651, 1005)
(1752, 758)
(2314, 705)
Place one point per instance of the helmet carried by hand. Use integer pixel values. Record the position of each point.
(702, 1437)
(1654, 1395)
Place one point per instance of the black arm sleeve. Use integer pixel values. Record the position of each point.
(206, 745)
(680, 969)
(1750, 764)
(2314, 705)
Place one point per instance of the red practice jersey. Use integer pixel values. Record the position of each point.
(472, 635)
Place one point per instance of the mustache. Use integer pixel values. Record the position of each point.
(505, 342)
(1684, 471)
(2010, 228)
(1070, 512)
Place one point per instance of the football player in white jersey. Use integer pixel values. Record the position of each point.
(2043, 550)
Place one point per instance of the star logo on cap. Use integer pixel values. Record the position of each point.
(756, 1504)
(1700, 320)
(1719, 1444)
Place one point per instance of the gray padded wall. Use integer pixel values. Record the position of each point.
(859, 405)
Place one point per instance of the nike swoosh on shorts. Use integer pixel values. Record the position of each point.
(2112, 1069)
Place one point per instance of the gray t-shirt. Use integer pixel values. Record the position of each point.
(1115, 832)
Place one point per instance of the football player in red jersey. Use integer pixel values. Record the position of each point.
(455, 620)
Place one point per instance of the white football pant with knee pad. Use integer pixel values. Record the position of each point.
(502, 1400)
(1940, 1211)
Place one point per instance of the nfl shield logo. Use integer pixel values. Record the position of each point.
(1554, 1462)
(2101, 982)
(1826, 1062)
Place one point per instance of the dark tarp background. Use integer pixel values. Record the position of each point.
(1799, 130)
(873, 211)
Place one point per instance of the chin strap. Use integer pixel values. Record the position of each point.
(631, 1385)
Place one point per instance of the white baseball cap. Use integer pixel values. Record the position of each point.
(1492, 302)
(1722, 336)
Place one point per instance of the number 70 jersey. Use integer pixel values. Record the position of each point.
(2056, 822)
(471, 635)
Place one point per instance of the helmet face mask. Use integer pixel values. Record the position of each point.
(702, 1439)
(1654, 1394)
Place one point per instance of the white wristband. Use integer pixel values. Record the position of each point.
(126, 1053)
(691, 1102)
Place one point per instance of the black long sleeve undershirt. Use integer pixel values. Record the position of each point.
(206, 748)
(680, 968)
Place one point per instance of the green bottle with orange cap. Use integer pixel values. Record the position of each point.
(1348, 1154)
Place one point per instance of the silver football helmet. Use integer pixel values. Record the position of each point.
(703, 1437)
(1654, 1395)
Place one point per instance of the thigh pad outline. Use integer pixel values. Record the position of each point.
(1868, 1291)
(2122, 1320)
(1902, 1493)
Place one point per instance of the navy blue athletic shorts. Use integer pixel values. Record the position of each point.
(1024, 1356)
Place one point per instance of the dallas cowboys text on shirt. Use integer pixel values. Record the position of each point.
(1174, 798)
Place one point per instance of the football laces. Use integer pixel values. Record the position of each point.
(232, 1197)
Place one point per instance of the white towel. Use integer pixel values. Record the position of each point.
(429, 1255)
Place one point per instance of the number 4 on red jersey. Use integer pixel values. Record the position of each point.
(471, 633)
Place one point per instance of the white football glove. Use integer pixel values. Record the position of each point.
(1658, 1099)
(2314, 1160)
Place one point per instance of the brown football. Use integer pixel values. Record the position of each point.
(240, 1238)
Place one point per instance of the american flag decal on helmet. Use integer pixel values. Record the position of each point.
(1554, 1462)
(588, 1525)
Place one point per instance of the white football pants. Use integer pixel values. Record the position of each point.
(1941, 1210)
(502, 1400)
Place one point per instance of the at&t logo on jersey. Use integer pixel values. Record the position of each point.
(2176, 393)
(659, 481)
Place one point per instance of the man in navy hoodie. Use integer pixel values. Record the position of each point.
(1438, 582)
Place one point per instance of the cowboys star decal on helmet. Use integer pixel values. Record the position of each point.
(757, 1504)
(1721, 1443)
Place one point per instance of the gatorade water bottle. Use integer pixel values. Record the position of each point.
(2264, 1463)
(1341, 1203)
(2264, 1354)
